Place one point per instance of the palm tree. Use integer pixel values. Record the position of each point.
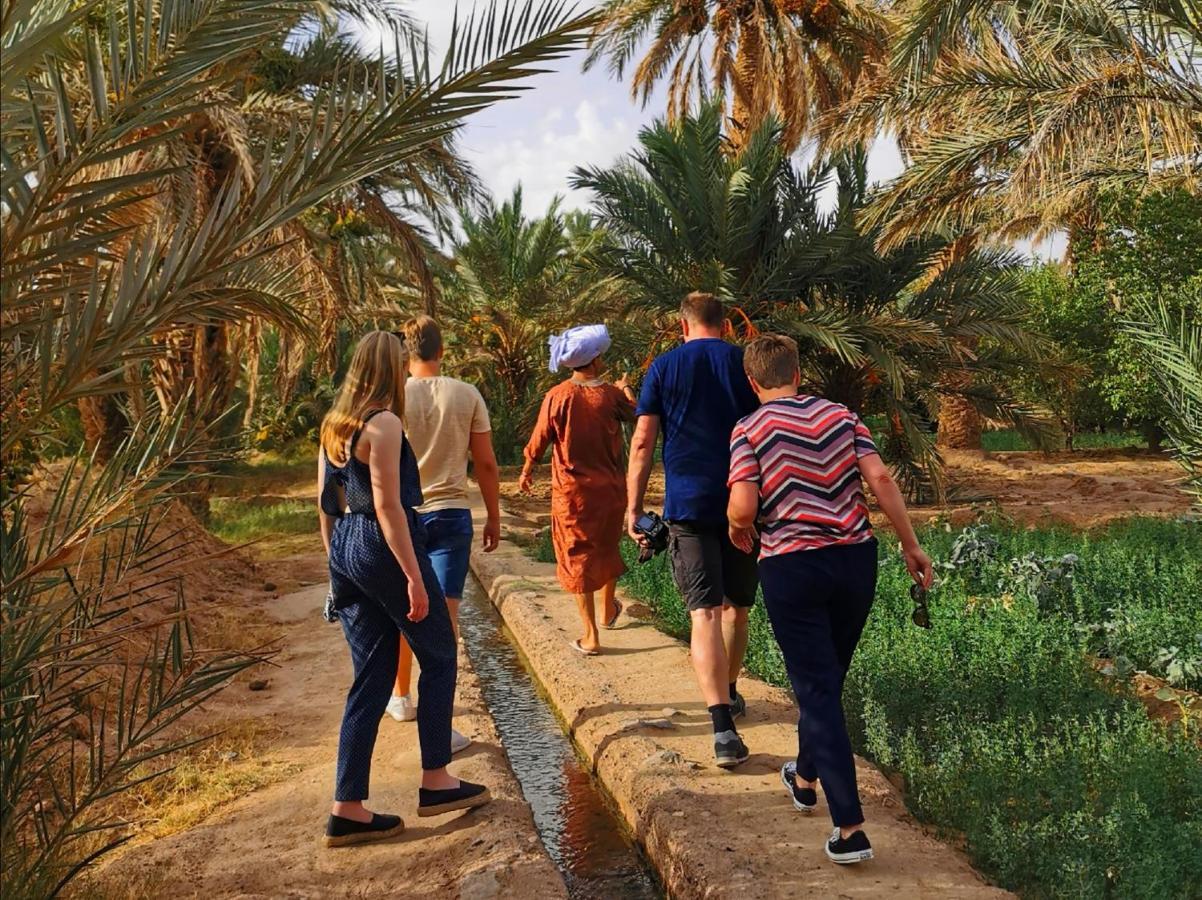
(514, 281)
(793, 59)
(1016, 114)
(1173, 344)
(880, 331)
(106, 246)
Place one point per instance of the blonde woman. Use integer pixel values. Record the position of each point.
(383, 587)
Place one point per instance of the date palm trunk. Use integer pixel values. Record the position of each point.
(104, 425)
(960, 424)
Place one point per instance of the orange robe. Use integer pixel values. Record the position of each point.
(582, 423)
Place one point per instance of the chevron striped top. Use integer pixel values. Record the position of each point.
(803, 452)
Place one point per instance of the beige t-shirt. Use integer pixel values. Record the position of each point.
(441, 415)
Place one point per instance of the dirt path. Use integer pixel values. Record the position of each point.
(267, 844)
(1082, 489)
(712, 834)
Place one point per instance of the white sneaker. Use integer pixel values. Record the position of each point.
(401, 708)
(459, 741)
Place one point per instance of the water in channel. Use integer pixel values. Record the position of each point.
(583, 835)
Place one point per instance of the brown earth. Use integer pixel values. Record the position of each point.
(267, 844)
(1078, 488)
(635, 713)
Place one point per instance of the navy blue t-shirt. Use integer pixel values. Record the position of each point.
(699, 391)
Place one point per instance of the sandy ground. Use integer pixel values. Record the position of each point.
(712, 834)
(1083, 489)
(267, 844)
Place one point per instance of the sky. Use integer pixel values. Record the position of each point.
(568, 118)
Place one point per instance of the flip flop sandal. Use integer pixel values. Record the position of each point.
(579, 649)
(614, 621)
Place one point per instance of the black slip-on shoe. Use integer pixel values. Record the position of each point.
(848, 850)
(729, 749)
(804, 799)
(738, 706)
(341, 832)
(466, 796)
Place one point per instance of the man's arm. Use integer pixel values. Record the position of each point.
(642, 452)
(484, 463)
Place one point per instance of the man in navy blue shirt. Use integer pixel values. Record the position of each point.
(694, 395)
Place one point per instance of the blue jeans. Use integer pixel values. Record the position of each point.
(449, 543)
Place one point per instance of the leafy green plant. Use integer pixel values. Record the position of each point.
(1045, 579)
(1179, 666)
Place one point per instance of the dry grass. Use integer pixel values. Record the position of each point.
(203, 779)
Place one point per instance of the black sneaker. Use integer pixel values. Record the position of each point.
(437, 802)
(729, 749)
(804, 799)
(738, 706)
(846, 851)
(340, 832)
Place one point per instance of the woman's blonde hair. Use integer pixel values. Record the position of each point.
(375, 380)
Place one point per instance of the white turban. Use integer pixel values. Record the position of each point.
(578, 346)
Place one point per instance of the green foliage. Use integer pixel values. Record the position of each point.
(1002, 729)
(1147, 251)
(237, 521)
(1172, 346)
(1007, 439)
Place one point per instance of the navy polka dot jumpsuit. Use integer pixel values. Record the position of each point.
(371, 599)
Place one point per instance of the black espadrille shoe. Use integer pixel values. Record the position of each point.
(466, 796)
(341, 832)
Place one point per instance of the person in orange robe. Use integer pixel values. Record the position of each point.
(581, 420)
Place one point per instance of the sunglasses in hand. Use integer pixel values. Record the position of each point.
(921, 615)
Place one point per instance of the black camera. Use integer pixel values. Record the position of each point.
(654, 531)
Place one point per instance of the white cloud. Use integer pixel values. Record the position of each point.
(542, 155)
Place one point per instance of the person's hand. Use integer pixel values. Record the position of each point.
(623, 383)
(743, 538)
(918, 564)
(419, 601)
(632, 516)
(492, 534)
(526, 481)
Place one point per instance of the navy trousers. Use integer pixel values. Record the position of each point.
(373, 614)
(818, 602)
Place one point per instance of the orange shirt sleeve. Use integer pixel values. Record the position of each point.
(544, 431)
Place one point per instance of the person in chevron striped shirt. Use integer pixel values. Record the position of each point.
(797, 469)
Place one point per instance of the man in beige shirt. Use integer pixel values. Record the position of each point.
(447, 424)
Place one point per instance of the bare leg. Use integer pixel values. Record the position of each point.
(709, 655)
(734, 640)
(404, 671)
(351, 809)
(438, 779)
(609, 605)
(588, 615)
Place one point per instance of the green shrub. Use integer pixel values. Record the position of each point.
(1004, 732)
